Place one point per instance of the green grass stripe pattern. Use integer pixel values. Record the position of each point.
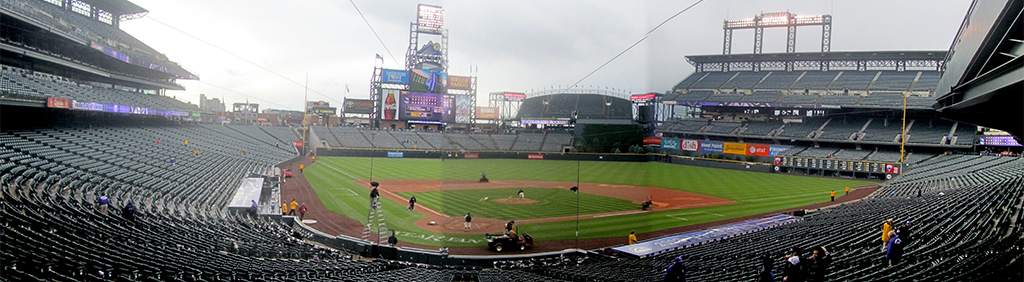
(755, 193)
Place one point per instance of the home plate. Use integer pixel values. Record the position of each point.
(309, 221)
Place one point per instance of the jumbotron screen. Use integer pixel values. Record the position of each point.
(427, 106)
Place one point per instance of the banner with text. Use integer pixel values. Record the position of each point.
(460, 82)
(670, 143)
(394, 76)
(487, 112)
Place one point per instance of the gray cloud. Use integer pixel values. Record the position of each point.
(517, 45)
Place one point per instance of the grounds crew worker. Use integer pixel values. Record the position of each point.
(632, 237)
(374, 194)
(833, 195)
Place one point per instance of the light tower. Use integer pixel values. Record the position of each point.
(779, 19)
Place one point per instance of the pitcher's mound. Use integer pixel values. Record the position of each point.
(515, 201)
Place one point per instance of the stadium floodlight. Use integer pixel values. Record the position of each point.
(779, 19)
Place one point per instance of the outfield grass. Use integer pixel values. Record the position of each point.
(551, 203)
(755, 192)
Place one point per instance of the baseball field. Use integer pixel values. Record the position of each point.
(607, 203)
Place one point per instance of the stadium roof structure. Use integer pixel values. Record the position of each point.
(123, 9)
(855, 60)
(984, 83)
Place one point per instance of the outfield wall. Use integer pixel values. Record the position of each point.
(425, 154)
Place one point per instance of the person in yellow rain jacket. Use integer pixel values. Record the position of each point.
(833, 195)
(293, 207)
(284, 208)
(632, 237)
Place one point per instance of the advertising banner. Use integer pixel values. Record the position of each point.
(358, 106)
(690, 145)
(486, 112)
(58, 103)
(652, 141)
(396, 154)
(642, 97)
(778, 160)
(390, 105)
(460, 82)
(535, 157)
(421, 106)
(735, 148)
(757, 150)
(892, 168)
(774, 150)
(471, 156)
(515, 97)
(463, 109)
(669, 143)
(394, 76)
(711, 146)
(297, 143)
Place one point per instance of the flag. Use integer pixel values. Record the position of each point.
(379, 57)
(346, 88)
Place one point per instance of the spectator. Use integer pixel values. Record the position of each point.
(392, 240)
(895, 251)
(794, 271)
(172, 161)
(676, 271)
(103, 202)
(632, 237)
(302, 211)
(820, 261)
(293, 207)
(886, 228)
(129, 211)
(253, 207)
(766, 274)
(904, 233)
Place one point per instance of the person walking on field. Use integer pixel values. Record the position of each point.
(374, 195)
(522, 195)
(302, 211)
(284, 208)
(847, 189)
(469, 222)
(412, 202)
(293, 207)
(632, 237)
(833, 195)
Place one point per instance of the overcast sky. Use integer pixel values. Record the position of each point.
(516, 45)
